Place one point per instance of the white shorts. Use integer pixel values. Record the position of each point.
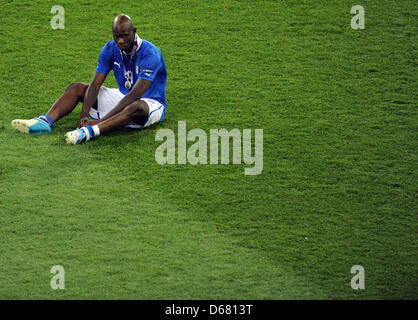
(108, 98)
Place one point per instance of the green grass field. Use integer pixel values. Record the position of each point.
(338, 108)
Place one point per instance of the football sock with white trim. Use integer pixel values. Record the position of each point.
(96, 130)
(91, 132)
(47, 119)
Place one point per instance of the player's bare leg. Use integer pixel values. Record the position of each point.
(66, 103)
(136, 112)
(63, 105)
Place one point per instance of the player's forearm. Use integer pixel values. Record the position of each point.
(89, 99)
(123, 103)
(137, 91)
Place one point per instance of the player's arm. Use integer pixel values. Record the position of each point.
(140, 87)
(91, 97)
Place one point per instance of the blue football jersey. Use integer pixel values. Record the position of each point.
(147, 63)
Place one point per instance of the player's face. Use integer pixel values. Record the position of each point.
(124, 37)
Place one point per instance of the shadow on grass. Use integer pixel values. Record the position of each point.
(116, 138)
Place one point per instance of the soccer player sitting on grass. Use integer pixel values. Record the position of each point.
(141, 74)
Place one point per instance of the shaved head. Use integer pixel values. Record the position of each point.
(122, 21)
(123, 32)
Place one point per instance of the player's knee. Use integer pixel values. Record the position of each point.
(77, 88)
(137, 109)
(71, 86)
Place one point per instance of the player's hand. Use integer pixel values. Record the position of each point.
(82, 122)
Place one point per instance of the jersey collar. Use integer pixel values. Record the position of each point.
(138, 41)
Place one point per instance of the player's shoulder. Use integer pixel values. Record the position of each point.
(108, 49)
(110, 45)
(149, 47)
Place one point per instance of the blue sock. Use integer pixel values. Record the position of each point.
(47, 119)
(89, 132)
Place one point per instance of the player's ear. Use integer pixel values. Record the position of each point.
(134, 29)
